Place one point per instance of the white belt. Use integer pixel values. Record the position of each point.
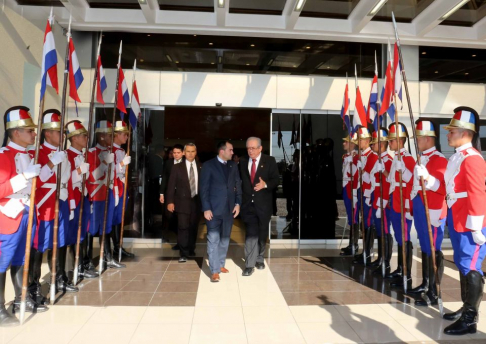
(100, 184)
(398, 184)
(377, 184)
(17, 196)
(454, 196)
(417, 187)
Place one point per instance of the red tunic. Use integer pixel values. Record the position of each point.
(466, 192)
(75, 158)
(386, 159)
(347, 172)
(14, 159)
(98, 172)
(407, 181)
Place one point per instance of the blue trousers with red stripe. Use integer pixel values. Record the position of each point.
(117, 214)
(12, 246)
(420, 220)
(367, 210)
(386, 221)
(72, 236)
(97, 217)
(44, 235)
(396, 220)
(468, 256)
(347, 204)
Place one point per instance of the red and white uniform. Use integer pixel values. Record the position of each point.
(368, 159)
(120, 172)
(436, 164)
(75, 158)
(98, 172)
(386, 159)
(347, 163)
(407, 182)
(465, 178)
(14, 188)
(45, 194)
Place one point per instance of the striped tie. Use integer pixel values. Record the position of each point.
(192, 180)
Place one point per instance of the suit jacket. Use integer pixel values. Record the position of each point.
(263, 200)
(166, 175)
(179, 190)
(218, 192)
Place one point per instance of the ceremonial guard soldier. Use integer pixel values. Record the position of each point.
(365, 165)
(466, 216)
(381, 187)
(16, 173)
(121, 162)
(45, 198)
(432, 169)
(397, 139)
(349, 166)
(99, 158)
(76, 133)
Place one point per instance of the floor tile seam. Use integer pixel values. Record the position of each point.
(399, 323)
(158, 285)
(86, 323)
(241, 303)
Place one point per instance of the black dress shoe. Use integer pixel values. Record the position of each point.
(192, 254)
(260, 266)
(7, 319)
(348, 251)
(113, 264)
(125, 253)
(87, 273)
(248, 272)
(36, 294)
(175, 247)
(182, 259)
(453, 315)
(30, 306)
(63, 285)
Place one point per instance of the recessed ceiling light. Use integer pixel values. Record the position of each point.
(294, 66)
(177, 61)
(300, 4)
(252, 45)
(210, 43)
(424, 53)
(466, 73)
(221, 3)
(195, 35)
(148, 35)
(473, 55)
(377, 7)
(453, 9)
(328, 67)
(141, 60)
(212, 62)
(247, 64)
(436, 72)
(308, 47)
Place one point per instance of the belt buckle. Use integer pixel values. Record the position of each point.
(449, 197)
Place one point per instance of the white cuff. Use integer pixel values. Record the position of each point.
(432, 184)
(367, 193)
(18, 183)
(475, 223)
(72, 204)
(407, 175)
(76, 178)
(366, 178)
(45, 173)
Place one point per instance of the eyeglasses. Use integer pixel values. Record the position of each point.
(252, 148)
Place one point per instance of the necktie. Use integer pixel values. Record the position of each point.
(192, 180)
(253, 170)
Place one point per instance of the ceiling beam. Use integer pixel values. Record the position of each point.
(290, 15)
(429, 18)
(150, 9)
(359, 17)
(221, 13)
(77, 9)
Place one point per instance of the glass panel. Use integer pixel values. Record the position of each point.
(187, 5)
(468, 15)
(285, 223)
(271, 7)
(404, 10)
(120, 4)
(452, 65)
(339, 9)
(321, 175)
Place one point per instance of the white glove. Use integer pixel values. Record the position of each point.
(348, 159)
(368, 201)
(408, 216)
(71, 215)
(478, 237)
(355, 196)
(378, 213)
(32, 170)
(359, 164)
(84, 167)
(127, 160)
(380, 167)
(421, 171)
(109, 158)
(58, 157)
(400, 166)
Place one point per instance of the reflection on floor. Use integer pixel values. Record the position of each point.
(318, 297)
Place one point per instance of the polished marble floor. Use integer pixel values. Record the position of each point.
(318, 297)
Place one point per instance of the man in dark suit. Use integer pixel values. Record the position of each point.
(170, 219)
(220, 190)
(259, 176)
(183, 198)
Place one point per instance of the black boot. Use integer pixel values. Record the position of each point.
(431, 297)
(358, 259)
(35, 287)
(370, 241)
(457, 314)
(62, 281)
(348, 251)
(88, 258)
(116, 243)
(467, 323)
(6, 319)
(378, 261)
(386, 256)
(107, 254)
(16, 272)
(83, 271)
(399, 270)
(408, 260)
(423, 287)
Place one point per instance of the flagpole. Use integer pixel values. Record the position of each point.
(83, 183)
(110, 151)
(422, 181)
(58, 173)
(125, 186)
(30, 222)
(362, 225)
(351, 228)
